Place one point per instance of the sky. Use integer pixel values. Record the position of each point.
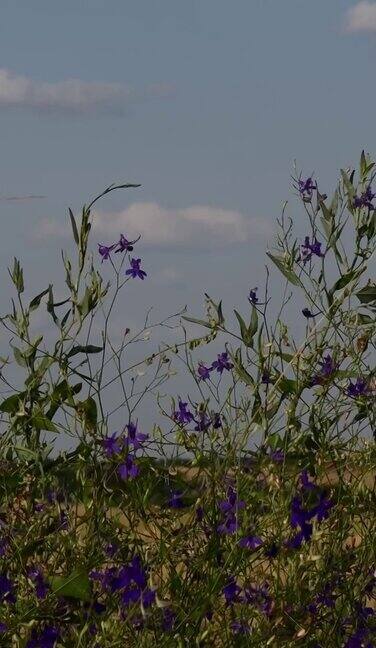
(206, 103)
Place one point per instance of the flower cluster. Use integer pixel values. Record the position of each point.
(123, 245)
(301, 516)
(124, 447)
(129, 582)
(203, 421)
(219, 365)
(306, 188)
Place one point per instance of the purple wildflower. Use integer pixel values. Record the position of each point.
(265, 377)
(311, 248)
(240, 627)
(328, 368)
(41, 586)
(124, 244)
(169, 619)
(3, 627)
(112, 445)
(304, 480)
(182, 415)
(253, 299)
(321, 510)
(231, 591)
(216, 421)
(204, 372)
(229, 509)
(306, 187)
(111, 548)
(250, 542)
(365, 199)
(222, 362)
(6, 589)
(134, 438)
(46, 639)
(277, 455)
(175, 500)
(203, 422)
(360, 388)
(105, 250)
(3, 546)
(128, 469)
(259, 597)
(135, 270)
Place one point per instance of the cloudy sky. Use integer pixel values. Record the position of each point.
(206, 103)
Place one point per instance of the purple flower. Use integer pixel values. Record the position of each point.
(203, 422)
(203, 372)
(6, 590)
(365, 199)
(46, 639)
(306, 187)
(277, 455)
(229, 509)
(259, 597)
(321, 510)
(360, 388)
(125, 245)
(3, 627)
(3, 546)
(175, 500)
(252, 296)
(231, 591)
(328, 367)
(216, 421)
(222, 362)
(265, 377)
(304, 480)
(111, 548)
(135, 270)
(105, 250)
(169, 619)
(112, 445)
(311, 248)
(250, 542)
(135, 438)
(128, 469)
(182, 415)
(240, 627)
(41, 586)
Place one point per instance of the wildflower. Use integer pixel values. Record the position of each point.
(134, 438)
(135, 270)
(111, 548)
(105, 250)
(304, 480)
(204, 372)
(222, 362)
(112, 445)
(259, 597)
(125, 245)
(321, 510)
(265, 377)
(250, 542)
(360, 388)
(365, 199)
(182, 415)
(6, 589)
(231, 591)
(272, 550)
(169, 619)
(311, 248)
(128, 469)
(240, 627)
(229, 509)
(3, 546)
(253, 299)
(3, 627)
(46, 639)
(41, 586)
(277, 455)
(175, 500)
(328, 367)
(203, 422)
(306, 187)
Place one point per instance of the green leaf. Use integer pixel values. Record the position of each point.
(50, 305)
(76, 585)
(90, 348)
(344, 280)
(240, 369)
(88, 410)
(11, 404)
(197, 321)
(36, 301)
(74, 227)
(287, 272)
(367, 294)
(41, 422)
(286, 385)
(19, 357)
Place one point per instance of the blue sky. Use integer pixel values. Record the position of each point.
(206, 103)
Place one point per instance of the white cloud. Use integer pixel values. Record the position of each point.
(73, 95)
(361, 17)
(196, 226)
